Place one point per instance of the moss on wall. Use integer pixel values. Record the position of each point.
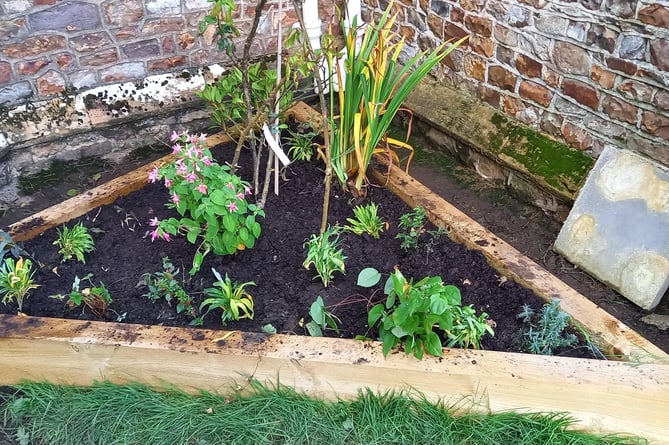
(558, 164)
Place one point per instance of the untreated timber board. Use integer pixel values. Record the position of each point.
(602, 396)
(614, 337)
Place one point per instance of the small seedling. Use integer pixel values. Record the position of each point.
(96, 298)
(366, 220)
(231, 297)
(165, 285)
(301, 143)
(548, 334)
(321, 319)
(413, 310)
(324, 252)
(74, 242)
(16, 280)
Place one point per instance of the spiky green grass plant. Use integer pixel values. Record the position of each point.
(133, 414)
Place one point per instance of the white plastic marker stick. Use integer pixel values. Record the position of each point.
(274, 145)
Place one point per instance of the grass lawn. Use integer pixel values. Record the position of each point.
(109, 414)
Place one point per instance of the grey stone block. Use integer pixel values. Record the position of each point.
(617, 228)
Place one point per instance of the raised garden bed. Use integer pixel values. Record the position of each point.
(82, 351)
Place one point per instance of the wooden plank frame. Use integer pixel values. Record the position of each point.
(604, 396)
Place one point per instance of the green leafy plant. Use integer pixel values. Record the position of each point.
(301, 143)
(250, 93)
(366, 220)
(321, 319)
(8, 246)
(412, 311)
(324, 252)
(375, 85)
(96, 298)
(412, 226)
(231, 297)
(212, 202)
(547, 334)
(75, 242)
(165, 285)
(16, 280)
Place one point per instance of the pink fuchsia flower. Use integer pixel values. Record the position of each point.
(181, 167)
(153, 222)
(168, 183)
(197, 152)
(203, 137)
(202, 188)
(174, 136)
(176, 149)
(230, 185)
(154, 234)
(194, 139)
(232, 207)
(167, 237)
(247, 190)
(190, 177)
(153, 175)
(175, 198)
(206, 161)
(240, 195)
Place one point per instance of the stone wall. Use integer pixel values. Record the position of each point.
(49, 46)
(591, 72)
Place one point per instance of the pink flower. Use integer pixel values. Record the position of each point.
(181, 167)
(194, 139)
(232, 207)
(154, 234)
(247, 190)
(203, 137)
(197, 152)
(153, 222)
(206, 161)
(240, 195)
(230, 185)
(175, 198)
(176, 149)
(167, 237)
(189, 152)
(174, 136)
(190, 177)
(202, 188)
(168, 183)
(153, 175)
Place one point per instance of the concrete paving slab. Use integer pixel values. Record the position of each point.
(618, 228)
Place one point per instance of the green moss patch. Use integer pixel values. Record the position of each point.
(558, 164)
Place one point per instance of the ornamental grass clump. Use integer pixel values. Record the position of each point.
(75, 242)
(211, 201)
(375, 84)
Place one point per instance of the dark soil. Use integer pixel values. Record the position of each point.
(284, 290)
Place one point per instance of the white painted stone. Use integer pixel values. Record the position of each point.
(617, 228)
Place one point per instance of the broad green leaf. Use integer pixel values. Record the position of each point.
(192, 236)
(244, 234)
(368, 277)
(230, 223)
(374, 314)
(218, 197)
(313, 329)
(433, 344)
(388, 287)
(317, 311)
(438, 304)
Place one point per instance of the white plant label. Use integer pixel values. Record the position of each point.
(274, 145)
